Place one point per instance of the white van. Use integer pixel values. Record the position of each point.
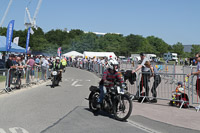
(170, 56)
(151, 57)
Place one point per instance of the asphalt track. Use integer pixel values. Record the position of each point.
(63, 109)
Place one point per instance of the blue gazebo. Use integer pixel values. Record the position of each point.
(14, 47)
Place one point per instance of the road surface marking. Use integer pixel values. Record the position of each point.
(2, 131)
(14, 130)
(141, 127)
(74, 83)
(78, 85)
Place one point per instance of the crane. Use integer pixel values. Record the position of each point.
(32, 21)
(6, 12)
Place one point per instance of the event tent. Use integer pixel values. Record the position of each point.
(14, 47)
(73, 54)
(99, 54)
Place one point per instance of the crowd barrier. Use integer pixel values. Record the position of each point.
(170, 76)
(166, 87)
(23, 77)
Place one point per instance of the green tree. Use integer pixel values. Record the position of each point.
(56, 36)
(137, 44)
(195, 49)
(160, 47)
(178, 48)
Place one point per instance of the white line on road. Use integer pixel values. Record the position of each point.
(2, 131)
(78, 85)
(74, 83)
(13, 130)
(141, 127)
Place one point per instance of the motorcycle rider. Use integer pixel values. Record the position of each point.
(57, 66)
(107, 81)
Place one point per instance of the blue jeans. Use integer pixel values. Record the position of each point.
(103, 91)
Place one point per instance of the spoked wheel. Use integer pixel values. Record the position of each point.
(123, 108)
(93, 101)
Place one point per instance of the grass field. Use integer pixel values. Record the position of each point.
(2, 78)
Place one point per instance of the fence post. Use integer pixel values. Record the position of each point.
(192, 90)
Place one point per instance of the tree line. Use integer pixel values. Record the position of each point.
(79, 41)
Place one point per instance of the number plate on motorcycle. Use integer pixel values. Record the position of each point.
(54, 73)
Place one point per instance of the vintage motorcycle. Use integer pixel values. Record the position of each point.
(55, 78)
(115, 102)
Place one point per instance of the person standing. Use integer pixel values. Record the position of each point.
(157, 81)
(10, 65)
(197, 73)
(145, 75)
(44, 66)
(31, 65)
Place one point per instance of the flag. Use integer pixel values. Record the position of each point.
(27, 39)
(16, 40)
(59, 51)
(9, 34)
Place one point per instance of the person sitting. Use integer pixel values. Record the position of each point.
(107, 81)
(178, 95)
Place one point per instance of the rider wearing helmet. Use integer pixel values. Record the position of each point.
(57, 66)
(107, 81)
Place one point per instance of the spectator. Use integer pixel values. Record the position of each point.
(186, 61)
(37, 60)
(157, 81)
(9, 65)
(31, 66)
(145, 75)
(197, 73)
(44, 66)
(178, 94)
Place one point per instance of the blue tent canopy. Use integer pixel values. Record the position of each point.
(14, 47)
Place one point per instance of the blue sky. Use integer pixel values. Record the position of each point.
(172, 20)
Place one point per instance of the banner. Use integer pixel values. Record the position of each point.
(27, 39)
(16, 40)
(9, 34)
(59, 51)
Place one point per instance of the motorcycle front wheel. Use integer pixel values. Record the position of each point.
(53, 82)
(93, 101)
(123, 108)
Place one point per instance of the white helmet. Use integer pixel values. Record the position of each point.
(112, 63)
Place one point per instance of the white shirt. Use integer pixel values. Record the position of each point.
(144, 68)
(45, 63)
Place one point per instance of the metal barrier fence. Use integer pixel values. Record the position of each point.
(19, 78)
(165, 88)
(3, 76)
(170, 75)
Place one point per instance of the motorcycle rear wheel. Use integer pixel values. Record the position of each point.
(123, 108)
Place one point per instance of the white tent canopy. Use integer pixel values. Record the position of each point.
(99, 54)
(73, 54)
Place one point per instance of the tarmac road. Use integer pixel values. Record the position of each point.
(63, 109)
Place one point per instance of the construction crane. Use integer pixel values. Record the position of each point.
(32, 22)
(6, 12)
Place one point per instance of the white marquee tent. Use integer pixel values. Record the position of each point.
(99, 54)
(73, 54)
